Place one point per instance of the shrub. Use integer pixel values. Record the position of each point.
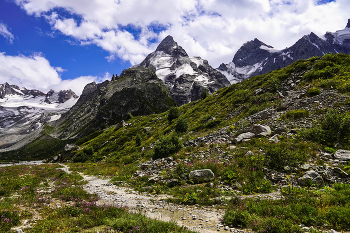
(167, 146)
(204, 94)
(173, 113)
(295, 114)
(237, 218)
(313, 91)
(129, 116)
(333, 128)
(283, 154)
(181, 126)
(138, 140)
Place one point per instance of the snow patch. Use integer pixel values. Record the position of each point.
(271, 50)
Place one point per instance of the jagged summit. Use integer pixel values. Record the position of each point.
(348, 25)
(169, 46)
(186, 77)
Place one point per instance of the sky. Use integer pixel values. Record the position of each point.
(65, 44)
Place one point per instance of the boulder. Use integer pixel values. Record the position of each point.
(261, 130)
(203, 175)
(343, 155)
(311, 177)
(244, 137)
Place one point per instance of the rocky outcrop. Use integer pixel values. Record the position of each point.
(256, 57)
(137, 91)
(185, 77)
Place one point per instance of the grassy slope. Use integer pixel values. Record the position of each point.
(218, 110)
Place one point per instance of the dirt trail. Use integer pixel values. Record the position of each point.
(200, 219)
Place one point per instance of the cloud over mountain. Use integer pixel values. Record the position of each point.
(212, 29)
(35, 72)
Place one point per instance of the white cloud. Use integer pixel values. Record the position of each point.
(35, 72)
(212, 29)
(6, 33)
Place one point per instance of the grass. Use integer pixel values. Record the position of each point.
(62, 204)
(322, 209)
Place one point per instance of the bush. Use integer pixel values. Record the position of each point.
(167, 146)
(333, 128)
(173, 114)
(181, 126)
(129, 116)
(313, 91)
(204, 94)
(138, 140)
(282, 154)
(295, 114)
(237, 218)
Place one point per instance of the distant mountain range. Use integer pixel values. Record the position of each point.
(256, 57)
(23, 111)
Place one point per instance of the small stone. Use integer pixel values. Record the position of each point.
(274, 139)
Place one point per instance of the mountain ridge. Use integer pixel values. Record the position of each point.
(255, 57)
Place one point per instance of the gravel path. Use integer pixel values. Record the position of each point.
(195, 218)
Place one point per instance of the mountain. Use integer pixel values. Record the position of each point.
(137, 91)
(256, 57)
(23, 112)
(185, 77)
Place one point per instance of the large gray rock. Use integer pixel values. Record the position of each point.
(261, 130)
(203, 175)
(343, 155)
(244, 137)
(311, 177)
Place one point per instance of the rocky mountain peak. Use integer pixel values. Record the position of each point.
(185, 77)
(348, 25)
(169, 46)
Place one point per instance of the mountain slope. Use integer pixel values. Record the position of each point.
(255, 57)
(137, 91)
(185, 77)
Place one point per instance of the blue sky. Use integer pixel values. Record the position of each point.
(64, 44)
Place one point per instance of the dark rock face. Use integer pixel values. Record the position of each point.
(137, 91)
(185, 77)
(255, 57)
